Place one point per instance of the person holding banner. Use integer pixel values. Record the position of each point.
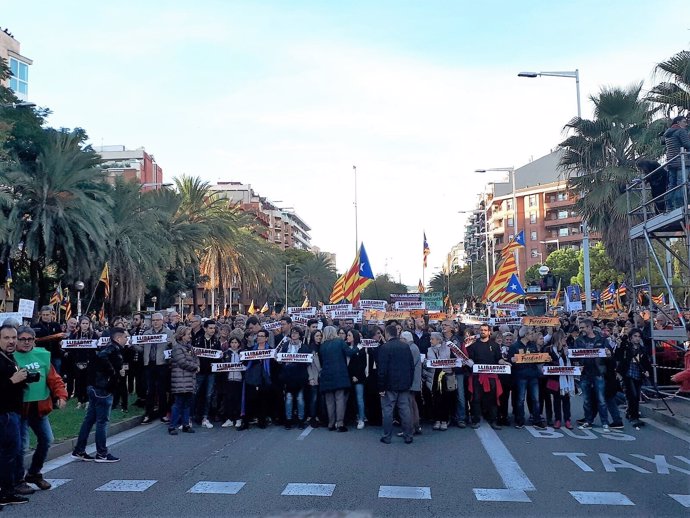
(441, 383)
(459, 416)
(205, 378)
(257, 385)
(506, 340)
(79, 360)
(485, 388)
(358, 369)
(563, 386)
(294, 377)
(185, 366)
(156, 368)
(592, 381)
(314, 371)
(526, 377)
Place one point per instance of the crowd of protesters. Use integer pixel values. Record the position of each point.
(369, 374)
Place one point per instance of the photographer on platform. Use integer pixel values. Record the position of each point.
(43, 385)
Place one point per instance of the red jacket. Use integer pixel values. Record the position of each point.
(58, 390)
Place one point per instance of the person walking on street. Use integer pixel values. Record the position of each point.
(102, 381)
(395, 376)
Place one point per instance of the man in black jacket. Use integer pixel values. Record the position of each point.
(102, 376)
(12, 383)
(395, 376)
(45, 327)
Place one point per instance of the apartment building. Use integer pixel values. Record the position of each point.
(131, 164)
(10, 51)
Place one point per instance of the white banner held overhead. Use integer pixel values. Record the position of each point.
(557, 370)
(208, 353)
(482, 368)
(300, 319)
(305, 312)
(295, 357)
(356, 316)
(82, 343)
(270, 326)
(379, 305)
(409, 305)
(149, 339)
(327, 308)
(228, 367)
(26, 308)
(258, 354)
(586, 353)
(369, 343)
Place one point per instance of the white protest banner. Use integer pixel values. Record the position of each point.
(228, 367)
(505, 306)
(372, 304)
(257, 354)
(295, 357)
(368, 343)
(409, 304)
(483, 368)
(82, 343)
(103, 341)
(270, 326)
(558, 370)
(395, 297)
(167, 354)
(207, 353)
(586, 353)
(511, 321)
(16, 316)
(305, 312)
(300, 319)
(356, 316)
(26, 308)
(444, 364)
(327, 308)
(149, 339)
(473, 319)
(457, 351)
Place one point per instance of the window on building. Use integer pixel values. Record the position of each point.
(511, 221)
(509, 204)
(563, 214)
(532, 217)
(533, 235)
(563, 232)
(532, 200)
(534, 252)
(562, 196)
(19, 82)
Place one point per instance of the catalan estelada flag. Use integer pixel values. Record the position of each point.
(338, 292)
(506, 269)
(56, 297)
(427, 251)
(359, 279)
(660, 299)
(514, 244)
(105, 279)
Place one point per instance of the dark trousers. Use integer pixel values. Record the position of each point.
(545, 399)
(507, 385)
(156, 389)
(121, 395)
(257, 401)
(442, 404)
(632, 394)
(389, 401)
(9, 449)
(138, 375)
(80, 382)
(484, 400)
(561, 405)
(232, 400)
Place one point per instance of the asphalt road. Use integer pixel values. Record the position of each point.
(458, 472)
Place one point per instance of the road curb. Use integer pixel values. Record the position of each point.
(659, 412)
(67, 446)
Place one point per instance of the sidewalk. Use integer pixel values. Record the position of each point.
(656, 410)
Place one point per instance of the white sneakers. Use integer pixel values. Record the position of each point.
(238, 423)
(227, 424)
(206, 423)
(360, 425)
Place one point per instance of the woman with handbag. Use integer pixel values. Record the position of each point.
(440, 382)
(560, 387)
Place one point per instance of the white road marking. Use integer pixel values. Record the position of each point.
(57, 482)
(508, 469)
(217, 488)
(304, 434)
(112, 441)
(501, 495)
(601, 498)
(406, 492)
(308, 490)
(127, 485)
(669, 430)
(683, 500)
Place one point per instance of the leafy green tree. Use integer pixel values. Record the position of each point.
(313, 278)
(382, 287)
(673, 93)
(563, 264)
(532, 275)
(463, 283)
(603, 271)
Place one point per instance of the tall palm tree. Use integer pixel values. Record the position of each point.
(61, 209)
(313, 278)
(599, 161)
(673, 93)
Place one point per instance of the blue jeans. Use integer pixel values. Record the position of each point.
(525, 384)
(205, 384)
(98, 413)
(181, 410)
(44, 435)
(593, 388)
(461, 409)
(359, 395)
(674, 199)
(289, 396)
(313, 401)
(9, 449)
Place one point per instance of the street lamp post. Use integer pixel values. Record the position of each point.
(79, 285)
(354, 167)
(183, 296)
(574, 74)
(154, 300)
(471, 276)
(286, 286)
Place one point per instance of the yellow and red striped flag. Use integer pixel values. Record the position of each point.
(420, 286)
(500, 279)
(514, 244)
(660, 299)
(105, 279)
(362, 277)
(338, 292)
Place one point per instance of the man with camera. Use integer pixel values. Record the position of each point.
(44, 385)
(12, 383)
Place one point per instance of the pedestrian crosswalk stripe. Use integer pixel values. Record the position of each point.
(601, 498)
(501, 495)
(217, 488)
(57, 482)
(683, 500)
(127, 485)
(308, 489)
(407, 492)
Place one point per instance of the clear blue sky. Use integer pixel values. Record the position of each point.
(288, 95)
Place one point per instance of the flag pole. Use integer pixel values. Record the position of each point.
(354, 167)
